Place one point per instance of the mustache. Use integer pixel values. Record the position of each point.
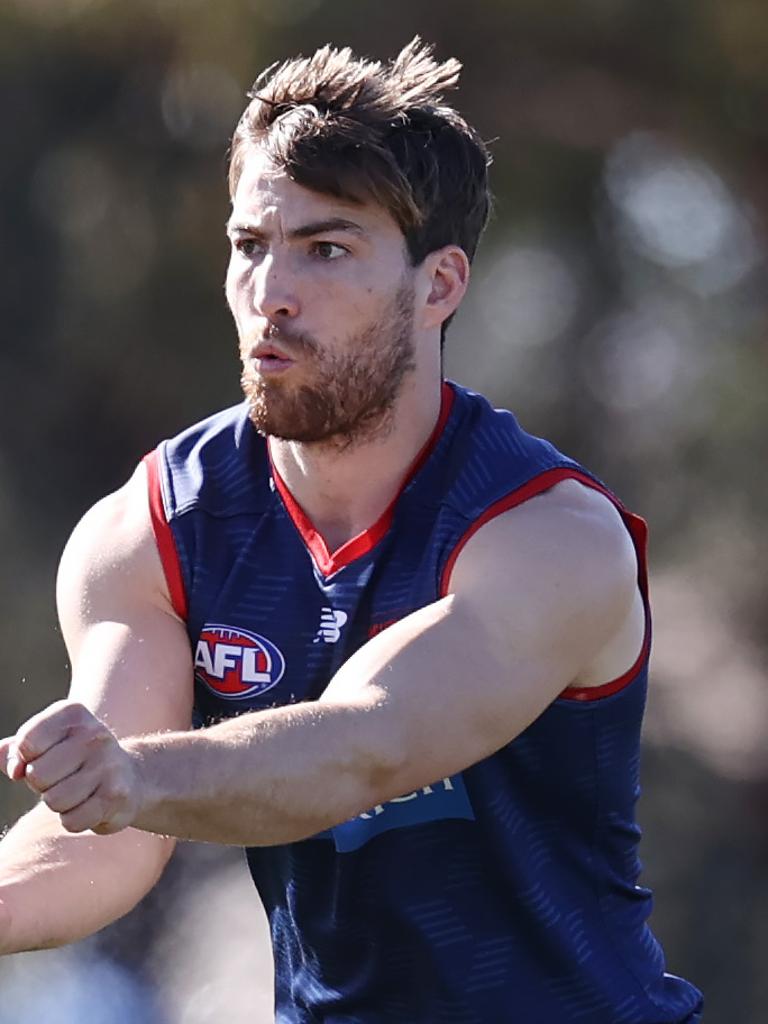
(290, 340)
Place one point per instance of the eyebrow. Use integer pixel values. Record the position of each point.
(317, 227)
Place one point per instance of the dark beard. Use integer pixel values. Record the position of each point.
(352, 393)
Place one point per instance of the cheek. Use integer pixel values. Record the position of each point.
(356, 301)
(229, 285)
(234, 287)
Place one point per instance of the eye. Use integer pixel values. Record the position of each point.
(248, 247)
(329, 250)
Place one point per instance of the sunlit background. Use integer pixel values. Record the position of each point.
(619, 306)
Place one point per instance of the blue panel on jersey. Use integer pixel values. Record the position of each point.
(444, 799)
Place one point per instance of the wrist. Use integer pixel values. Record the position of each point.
(146, 795)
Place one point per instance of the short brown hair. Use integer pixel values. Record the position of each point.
(359, 129)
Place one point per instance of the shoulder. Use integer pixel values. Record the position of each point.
(563, 561)
(219, 464)
(129, 650)
(228, 430)
(570, 525)
(572, 512)
(498, 431)
(112, 551)
(495, 463)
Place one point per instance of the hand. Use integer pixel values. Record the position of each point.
(76, 765)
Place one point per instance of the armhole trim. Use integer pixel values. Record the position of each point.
(637, 529)
(166, 542)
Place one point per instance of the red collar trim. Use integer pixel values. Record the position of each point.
(330, 562)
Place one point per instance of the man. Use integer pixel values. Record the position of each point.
(415, 637)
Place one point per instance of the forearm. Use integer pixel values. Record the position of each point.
(264, 778)
(57, 888)
(285, 774)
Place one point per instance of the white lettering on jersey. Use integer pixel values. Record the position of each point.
(424, 791)
(227, 656)
(249, 672)
(203, 657)
(331, 622)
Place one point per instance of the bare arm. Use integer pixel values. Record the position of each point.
(132, 669)
(538, 596)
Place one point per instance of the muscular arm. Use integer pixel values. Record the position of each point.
(131, 668)
(537, 598)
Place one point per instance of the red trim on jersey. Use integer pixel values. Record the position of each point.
(637, 530)
(330, 562)
(166, 542)
(379, 627)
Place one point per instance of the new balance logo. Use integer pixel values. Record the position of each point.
(331, 622)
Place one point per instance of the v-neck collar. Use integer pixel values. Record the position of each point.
(329, 562)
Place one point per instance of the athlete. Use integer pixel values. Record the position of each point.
(412, 638)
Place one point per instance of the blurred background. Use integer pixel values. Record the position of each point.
(619, 306)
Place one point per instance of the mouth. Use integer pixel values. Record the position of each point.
(267, 358)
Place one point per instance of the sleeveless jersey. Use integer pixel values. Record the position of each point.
(505, 894)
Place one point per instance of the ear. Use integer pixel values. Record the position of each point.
(446, 273)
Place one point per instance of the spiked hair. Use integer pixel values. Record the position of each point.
(359, 129)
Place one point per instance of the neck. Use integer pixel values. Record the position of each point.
(345, 489)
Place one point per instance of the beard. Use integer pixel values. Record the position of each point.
(352, 393)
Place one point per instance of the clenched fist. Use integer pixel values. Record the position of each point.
(75, 764)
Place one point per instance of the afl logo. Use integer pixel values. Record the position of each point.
(234, 663)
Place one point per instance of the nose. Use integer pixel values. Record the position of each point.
(274, 289)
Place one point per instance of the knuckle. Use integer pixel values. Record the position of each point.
(84, 816)
(74, 821)
(63, 707)
(62, 797)
(101, 736)
(28, 743)
(108, 828)
(55, 802)
(37, 778)
(114, 790)
(92, 734)
(83, 732)
(38, 733)
(82, 718)
(71, 710)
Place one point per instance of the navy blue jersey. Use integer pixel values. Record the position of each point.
(509, 891)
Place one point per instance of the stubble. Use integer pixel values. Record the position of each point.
(352, 393)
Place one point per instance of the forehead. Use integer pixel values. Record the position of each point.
(265, 192)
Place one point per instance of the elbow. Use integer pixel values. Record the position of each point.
(386, 776)
(384, 768)
(373, 763)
